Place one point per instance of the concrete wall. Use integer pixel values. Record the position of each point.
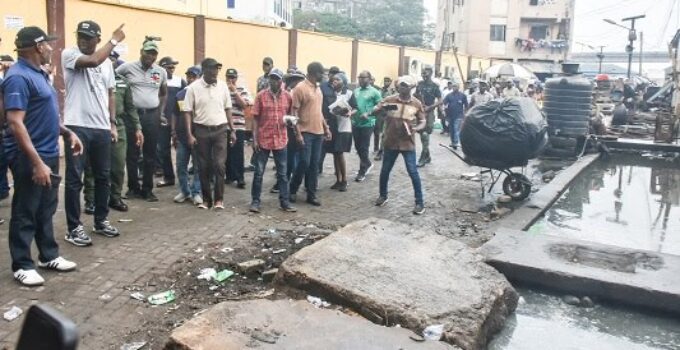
(327, 49)
(381, 60)
(33, 12)
(224, 42)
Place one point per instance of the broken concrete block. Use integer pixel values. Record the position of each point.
(287, 324)
(251, 266)
(269, 275)
(499, 212)
(398, 274)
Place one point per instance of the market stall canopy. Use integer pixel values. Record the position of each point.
(508, 70)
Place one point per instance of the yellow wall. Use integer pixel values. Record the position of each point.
(33, 12)
(225, 42)
(425, 56)
(177, 31)
(449, 59)
(381, 60)
(480, 64)
(210, 8)
(327, 49)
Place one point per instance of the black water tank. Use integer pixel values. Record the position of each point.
(567, 103)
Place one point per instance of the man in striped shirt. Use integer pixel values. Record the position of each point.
(235, 158)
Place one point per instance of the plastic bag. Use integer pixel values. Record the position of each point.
(508, 131)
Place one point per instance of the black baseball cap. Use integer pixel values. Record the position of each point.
(89, 28)
(6, 58)
(167, 61)
(231, 72)
(31, 36)
(209, 63)
(194, 70)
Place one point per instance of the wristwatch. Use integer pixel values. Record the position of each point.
(113, 42)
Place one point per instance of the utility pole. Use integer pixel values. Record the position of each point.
(600, 57)
(640, 70)
(632, 36)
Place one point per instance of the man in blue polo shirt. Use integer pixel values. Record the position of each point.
(32, 149)
(455, 103)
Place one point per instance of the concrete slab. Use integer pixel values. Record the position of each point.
(397, 274)
(634, 277)
(287, 324)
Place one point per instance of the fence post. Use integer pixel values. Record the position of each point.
(355, 60)
(402, 54)
(55, 26)
(292, 47)
(199, 38)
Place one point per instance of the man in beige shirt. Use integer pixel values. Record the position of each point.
(207, 112)
(311, 132)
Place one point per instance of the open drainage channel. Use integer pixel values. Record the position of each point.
(613, 231)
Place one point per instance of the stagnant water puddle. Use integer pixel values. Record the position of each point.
(628, 201)
(543, 321)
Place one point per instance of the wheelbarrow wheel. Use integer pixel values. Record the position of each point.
(517, 186)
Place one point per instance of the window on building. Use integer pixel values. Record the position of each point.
(497, 32)
(539, 32)
(533, 2)
(231, 4)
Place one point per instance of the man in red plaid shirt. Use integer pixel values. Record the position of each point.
(270, 136)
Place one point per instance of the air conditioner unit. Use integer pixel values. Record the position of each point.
(414, 67)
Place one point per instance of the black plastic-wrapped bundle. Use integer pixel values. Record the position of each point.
(508, 131)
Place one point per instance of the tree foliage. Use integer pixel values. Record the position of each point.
(397, 22)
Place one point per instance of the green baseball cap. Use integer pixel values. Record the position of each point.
(150, 46)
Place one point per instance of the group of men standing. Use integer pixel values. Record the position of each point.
(128, 115)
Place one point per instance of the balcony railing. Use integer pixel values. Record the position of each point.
(531, 45)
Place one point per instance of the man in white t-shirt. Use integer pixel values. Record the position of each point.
(90, 112)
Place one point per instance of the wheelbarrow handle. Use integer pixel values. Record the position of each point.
(454, 152)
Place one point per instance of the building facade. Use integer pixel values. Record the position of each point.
(347, 8)
(271, 12)
(536, 33)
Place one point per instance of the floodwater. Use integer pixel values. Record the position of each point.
(544, 322)
(628, 201)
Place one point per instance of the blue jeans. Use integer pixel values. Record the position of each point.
(280, 159)
(4, 166)
(96, 153)
(308, 166)
(184, 153)
(33, 208)
(389, 158)
(454, 129)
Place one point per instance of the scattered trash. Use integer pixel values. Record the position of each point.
(250, 266)
(318, 302)
(264, 337)
(162, 298)
(105, 297)
(138, 296)
(299, 240)
(416, 337)
(12, 314)
(125, 220)
(207, 274)
(548, 176)
(213, 287)
(271, 231)
(433, 332)
(471, 176)
(504, 199)
(227, 250)
(133, 346)
(571, 300)
(587, 302)
(279, 251)
(223, 275)
(269, 275)
(500, 212)
(198, 250)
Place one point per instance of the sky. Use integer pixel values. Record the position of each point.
(661, 23)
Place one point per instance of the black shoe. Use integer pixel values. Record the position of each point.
(4, 195)
(292, 198)
(378, 156)
(274, 189)
(118, 205)
(381, 201)
(360, 178)
(241, 184)
(249, 168)
(343, 186)
(134, 194)
(336, 185)
(254, 208)
(150, 197)
(313, 201)
(288, 208)
(419, 209)
(104, 228)
(423, 162)
(89, 208)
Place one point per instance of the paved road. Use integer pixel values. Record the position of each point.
(162, 232)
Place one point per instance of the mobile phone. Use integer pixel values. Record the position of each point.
(391, 107)
(55, 179)
(46, 328)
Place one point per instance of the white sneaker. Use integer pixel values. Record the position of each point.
(180, 198)
(197, 199)
(29, 277)
(59, 264)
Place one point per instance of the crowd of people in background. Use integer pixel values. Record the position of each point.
(123, 119)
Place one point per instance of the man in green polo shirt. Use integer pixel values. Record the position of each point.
(363, 121)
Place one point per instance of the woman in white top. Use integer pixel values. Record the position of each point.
(342, 108)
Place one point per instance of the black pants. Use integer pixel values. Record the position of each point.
(211, 149)
(97, 153)
(33, 208)
(165, 154)
(235, 158)
(150, 120)
(362, 142)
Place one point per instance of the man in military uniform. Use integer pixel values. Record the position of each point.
(430, 96)
(126, 119)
